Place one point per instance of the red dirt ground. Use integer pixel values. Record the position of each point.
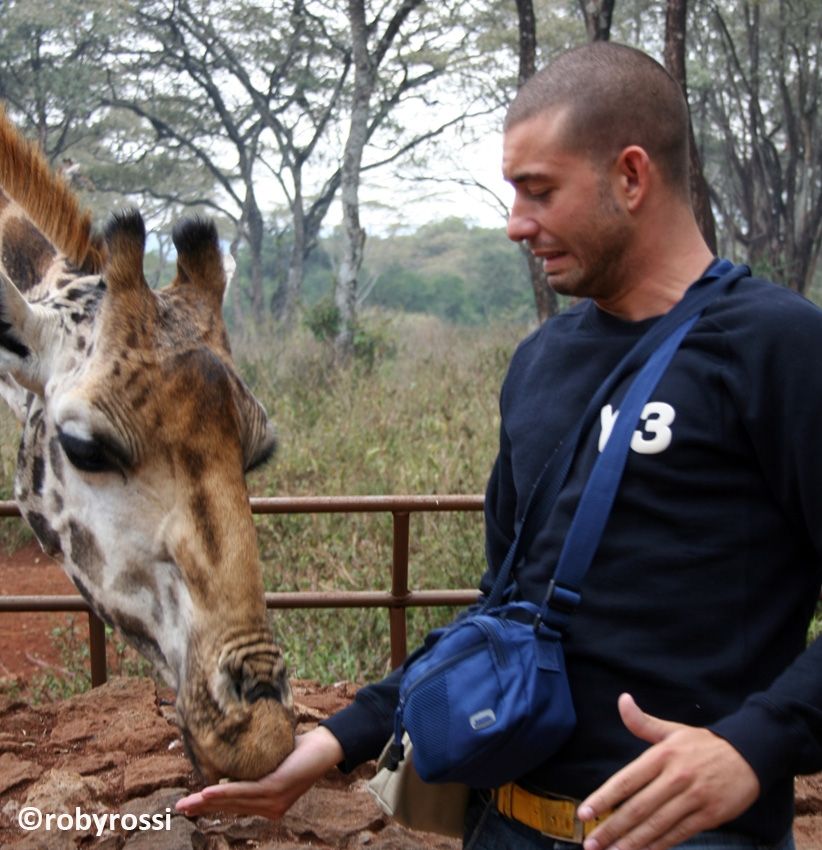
(26, 644)
(27, 648)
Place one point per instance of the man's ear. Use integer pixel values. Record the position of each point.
(633, 169)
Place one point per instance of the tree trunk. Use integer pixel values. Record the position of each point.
(254, 237)
(527, 40)
(237, 307)
(597, 15)
(675, 28)
(345, 295)
(545, 298)
(287, 311)
(365, 80)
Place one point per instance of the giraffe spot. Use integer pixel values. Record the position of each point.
(193, 462)
(204, 521)
(56, 459)
(172, 603)
(141, 397)
(48, 537)
(9, 340)
(22, 457)
(132, 341)
(38, 473)
(99, 609)
(26, 253)
(132, 379)
(84, 551)
(77, 294)
(138, 634)
(135, 578)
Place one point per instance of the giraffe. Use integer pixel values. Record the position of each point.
(137, 433)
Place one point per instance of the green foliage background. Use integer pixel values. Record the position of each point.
(462, 274)
(422, 420)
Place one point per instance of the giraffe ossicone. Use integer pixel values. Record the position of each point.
(137, 433)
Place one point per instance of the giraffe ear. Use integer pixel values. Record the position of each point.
(25, 332)
(126, 242)
(199, 260)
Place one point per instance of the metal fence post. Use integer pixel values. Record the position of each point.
(97, 649)
(399, 588)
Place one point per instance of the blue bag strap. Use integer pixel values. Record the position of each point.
(654, 348)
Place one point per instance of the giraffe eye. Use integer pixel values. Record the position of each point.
(91, 455)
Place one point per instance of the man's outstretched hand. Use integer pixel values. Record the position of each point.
(314, 754)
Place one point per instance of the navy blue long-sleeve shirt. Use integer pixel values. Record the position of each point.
(699, 597)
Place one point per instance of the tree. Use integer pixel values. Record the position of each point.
(764, 121)
(598, 15)
(674, 54)
(366, 64)
(544, 296)
(215, 76)
(51, 72)
(398, 55)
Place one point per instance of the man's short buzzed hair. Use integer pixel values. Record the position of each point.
(616, 96)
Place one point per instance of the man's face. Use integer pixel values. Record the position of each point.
(566, 208)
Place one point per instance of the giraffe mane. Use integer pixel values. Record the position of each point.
(46, 199)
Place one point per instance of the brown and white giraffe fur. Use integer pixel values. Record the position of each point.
(137, 434)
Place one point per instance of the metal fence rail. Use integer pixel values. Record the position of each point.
(397, 600)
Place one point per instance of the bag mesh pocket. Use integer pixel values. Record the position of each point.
(429, 712)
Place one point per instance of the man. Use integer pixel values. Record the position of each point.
(699, 597)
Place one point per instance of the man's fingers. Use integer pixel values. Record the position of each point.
(237, 790)
(620, 787)
(229, 791)
(648, 817)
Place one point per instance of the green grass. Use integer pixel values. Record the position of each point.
(422, 421)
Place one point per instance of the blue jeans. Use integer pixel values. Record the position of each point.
(487, 829)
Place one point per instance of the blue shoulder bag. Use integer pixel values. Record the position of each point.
(487, 698)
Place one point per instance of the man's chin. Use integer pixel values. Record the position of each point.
(566, 283)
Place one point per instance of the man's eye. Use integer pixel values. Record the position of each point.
(90, 455)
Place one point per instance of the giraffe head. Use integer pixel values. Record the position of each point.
(137, 434)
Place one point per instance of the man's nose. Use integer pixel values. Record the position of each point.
(520, 225)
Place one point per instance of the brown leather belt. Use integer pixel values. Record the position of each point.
(553, 816)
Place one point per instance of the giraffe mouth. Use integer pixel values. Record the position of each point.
(237, 723)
